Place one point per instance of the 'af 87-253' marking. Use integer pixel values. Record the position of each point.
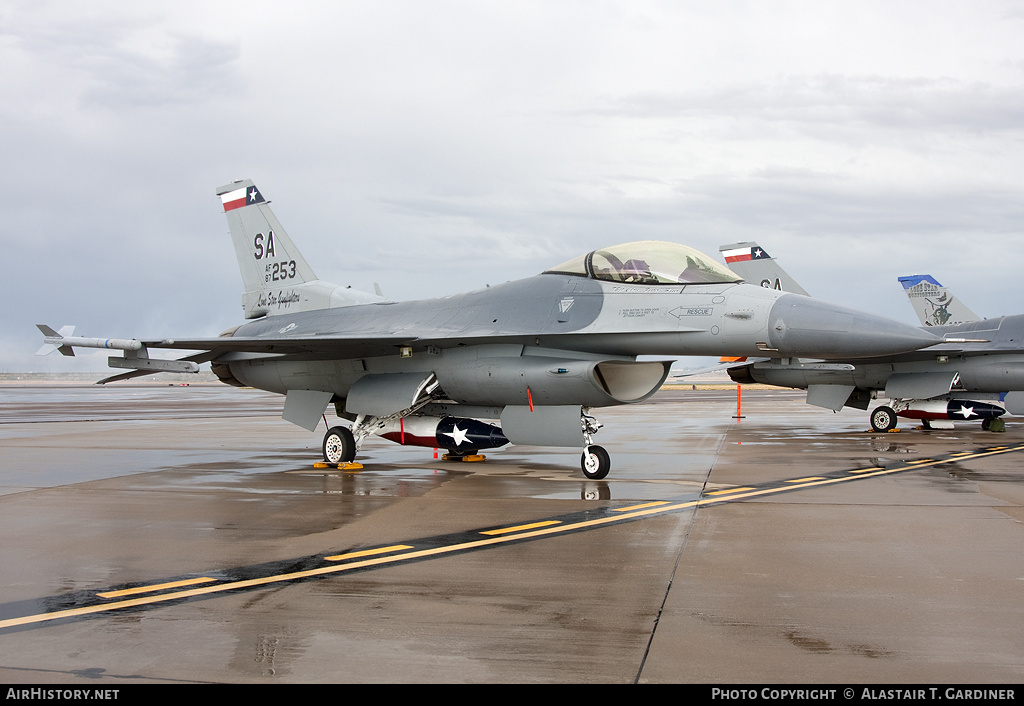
(280, 271)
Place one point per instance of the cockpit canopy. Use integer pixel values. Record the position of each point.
(648, 262)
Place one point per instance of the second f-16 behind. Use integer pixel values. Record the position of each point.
(975, 374)
(524, 362)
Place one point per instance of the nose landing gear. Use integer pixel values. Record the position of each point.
(595, 462)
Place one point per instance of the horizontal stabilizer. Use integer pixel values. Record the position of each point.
(154, 365)
(137, 371)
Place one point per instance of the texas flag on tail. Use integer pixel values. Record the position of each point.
(241, 197)
(744, 254)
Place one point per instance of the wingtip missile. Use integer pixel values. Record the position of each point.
(64, 342)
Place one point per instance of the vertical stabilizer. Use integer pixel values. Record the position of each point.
(756, 266)
(933, 303)
(277, 279)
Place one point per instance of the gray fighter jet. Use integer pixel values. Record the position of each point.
(977, 373)
(534, 355)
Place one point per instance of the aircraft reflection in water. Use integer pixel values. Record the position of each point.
(976, 373)
(534, 355)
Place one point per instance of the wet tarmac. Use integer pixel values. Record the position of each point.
(181, 534)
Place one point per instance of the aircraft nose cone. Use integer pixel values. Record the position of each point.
(804, 327)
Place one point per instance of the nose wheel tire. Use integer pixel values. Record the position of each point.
(595, 462)
(883, 419)
(339, 445)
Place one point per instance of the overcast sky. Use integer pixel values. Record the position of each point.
(436, 147)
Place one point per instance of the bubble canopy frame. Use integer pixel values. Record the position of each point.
(648, 262)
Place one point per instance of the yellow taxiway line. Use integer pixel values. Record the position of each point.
(396, 554)
(154, 587)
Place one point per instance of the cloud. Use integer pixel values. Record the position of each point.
(833, 104)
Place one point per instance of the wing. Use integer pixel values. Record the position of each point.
(136, 351)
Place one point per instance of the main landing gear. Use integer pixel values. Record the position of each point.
(883, 418)
(339, 445)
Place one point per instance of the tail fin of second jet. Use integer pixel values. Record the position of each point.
(756, 266)
(933, 303)
(277, 279)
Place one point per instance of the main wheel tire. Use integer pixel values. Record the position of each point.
(883, 418)
(595, 462)
(339, 445)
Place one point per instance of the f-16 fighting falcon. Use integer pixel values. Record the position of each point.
(523, 362)
(976, 374)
